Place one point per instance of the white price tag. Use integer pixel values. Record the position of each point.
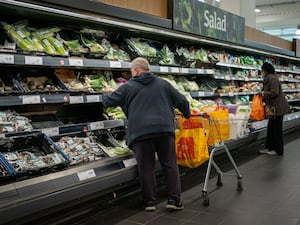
(174, 70)
(246, 78)
(96, 125)
(31, 99)
(53, 131)
(130, 162)
(230, 93)
(184, 70)
(164, 69)
(86, 174)
(75, 62)
(76, 99)
(115, 64)
(33, 60)
(201, 93)
(7, 59)
(200, 71)
(227, 77)
(2, 135)
(210, 71)
(92, 98)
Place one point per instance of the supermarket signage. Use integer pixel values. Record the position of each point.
(196, 17)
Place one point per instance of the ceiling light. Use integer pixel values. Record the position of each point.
(298, 30)
(257, 10)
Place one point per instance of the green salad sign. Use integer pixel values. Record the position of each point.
(196, 17)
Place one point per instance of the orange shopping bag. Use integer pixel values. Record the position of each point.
(257, 108)
(191, 146)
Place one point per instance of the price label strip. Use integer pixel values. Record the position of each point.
(184, 70)
(84, 175)
(33, 60)
(115, 64)
(96, 125)
(129, 162)
(75, 62)
(164, 69)
(174, 70)
(53, 131)
(92, 98)
(31, 99)
(7, 59)
(76, 99)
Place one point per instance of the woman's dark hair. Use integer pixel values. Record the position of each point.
(268, 68)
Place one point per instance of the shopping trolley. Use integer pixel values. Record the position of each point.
(221, 130)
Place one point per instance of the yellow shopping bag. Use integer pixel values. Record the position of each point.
(191, 146)
(219, 126)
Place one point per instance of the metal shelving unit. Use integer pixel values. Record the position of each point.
(75, 182)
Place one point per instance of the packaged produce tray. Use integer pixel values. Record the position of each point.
(80, 148)
(5, 169)
(31, 154)
(72, 42)
(11, 121)
(40, 81)
(8, 84)
(91, 146)
(137, 47)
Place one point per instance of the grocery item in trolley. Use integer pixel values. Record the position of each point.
(191, 142)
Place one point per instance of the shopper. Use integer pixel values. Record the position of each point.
(273, 95)
(148, 102)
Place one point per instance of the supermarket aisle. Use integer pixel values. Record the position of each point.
(271, 196)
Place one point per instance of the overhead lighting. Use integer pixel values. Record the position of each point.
(298, 30)
(257, 10)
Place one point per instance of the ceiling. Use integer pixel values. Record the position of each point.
(278, 14)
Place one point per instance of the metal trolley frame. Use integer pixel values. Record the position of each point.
(218, 144)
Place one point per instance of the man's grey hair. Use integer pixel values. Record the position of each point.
(141, 63)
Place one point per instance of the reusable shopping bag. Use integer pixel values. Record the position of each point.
(257, 108)
(219, 126)
(191, 143)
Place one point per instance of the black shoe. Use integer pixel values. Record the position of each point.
(175, 205)
(149, 206)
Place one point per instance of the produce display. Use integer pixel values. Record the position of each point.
(7, 86)
(168, 57)
(12, 122)
(115, 113)
(3, 171)
(100, 80)
(39, 83)
(80, 149)
(24, 161)
(31, 153)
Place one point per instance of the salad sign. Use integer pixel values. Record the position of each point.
(196, 17)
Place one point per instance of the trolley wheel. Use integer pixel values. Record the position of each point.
(239, 185)
(205, 198)
(219, 181)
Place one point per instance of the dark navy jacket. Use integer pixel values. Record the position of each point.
(148, 102)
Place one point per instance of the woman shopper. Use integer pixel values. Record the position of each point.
(273, 95)
(148, 102)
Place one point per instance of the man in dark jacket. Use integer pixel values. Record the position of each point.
(273, 95)
(148, 102)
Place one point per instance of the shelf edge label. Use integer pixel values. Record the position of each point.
(75, 62)
(84, 175)
(92, 98)
(129, 162)
(31, 99)
(7, 59)
(33, 60)
(76, 99)
(53, 131)
(96, 125)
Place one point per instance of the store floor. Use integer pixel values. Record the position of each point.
(271, 195)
